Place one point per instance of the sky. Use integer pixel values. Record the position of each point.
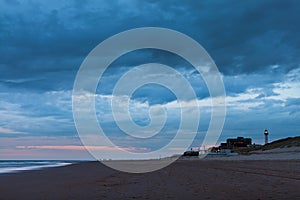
(255, 45)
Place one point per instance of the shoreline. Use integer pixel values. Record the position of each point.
(286, 154)
(19, 166)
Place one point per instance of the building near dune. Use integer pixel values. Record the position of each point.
(238, 142)
(226, 148)
(233, 143)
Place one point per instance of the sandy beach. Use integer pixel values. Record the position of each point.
(184, 179)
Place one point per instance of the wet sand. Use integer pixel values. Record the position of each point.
(184, 179)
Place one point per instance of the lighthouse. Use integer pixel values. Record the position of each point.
(266, 133)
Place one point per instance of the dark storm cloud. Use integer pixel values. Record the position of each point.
(43, 44)
(49, 40)
(250, 36)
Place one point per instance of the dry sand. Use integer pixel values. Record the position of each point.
(184, 179)
(292, 153)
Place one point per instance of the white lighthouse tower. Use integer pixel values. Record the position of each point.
(266, 133)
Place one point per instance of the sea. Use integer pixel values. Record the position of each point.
(16, 166)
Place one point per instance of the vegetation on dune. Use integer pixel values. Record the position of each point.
(282, 143)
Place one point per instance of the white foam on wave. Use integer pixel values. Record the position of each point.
(27, 168)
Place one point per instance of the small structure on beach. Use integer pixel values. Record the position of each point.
(191, 153)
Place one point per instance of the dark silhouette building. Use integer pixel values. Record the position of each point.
(191, 153)
(237, 142)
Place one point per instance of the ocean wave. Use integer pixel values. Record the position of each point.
(19, 166)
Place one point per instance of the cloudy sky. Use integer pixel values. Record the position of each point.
(255, 45)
